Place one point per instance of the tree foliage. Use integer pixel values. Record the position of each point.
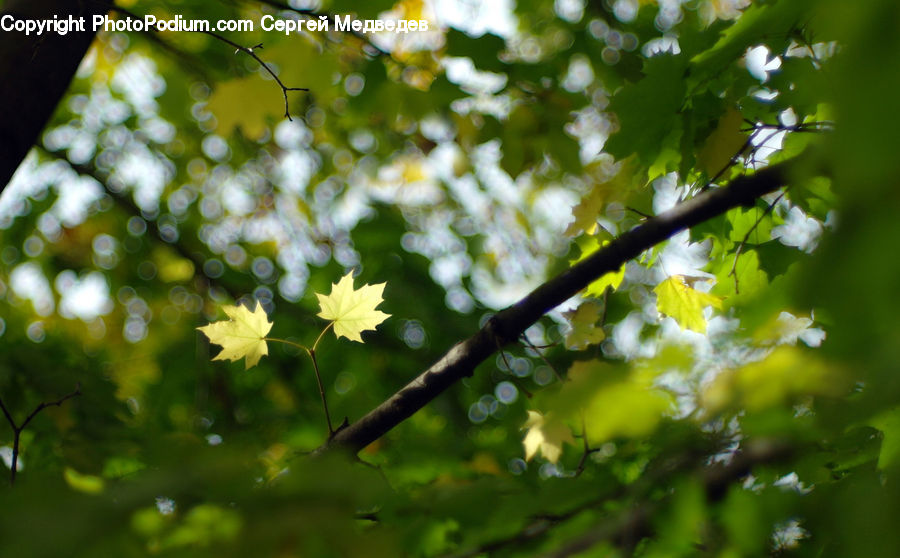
(632, 263)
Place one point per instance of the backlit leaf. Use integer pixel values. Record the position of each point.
(243, 335)
(545, 435)
(352, 311)
(676, 299)
(585, 327)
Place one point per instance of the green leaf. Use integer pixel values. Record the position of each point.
(760, 22)
(648, 110)
(889, 425)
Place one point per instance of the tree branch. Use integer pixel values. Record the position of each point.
(628, 528)
(506, 326)
(249, 51)
(17, 429)
(37, 70)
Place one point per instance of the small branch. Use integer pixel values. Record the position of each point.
(249, 51)
(639, 212)
(17, 429)
(312, 356)
(740, 248)
(128, 205)
(809, 127)
(540, 355)
(586, 449)
(628, 528)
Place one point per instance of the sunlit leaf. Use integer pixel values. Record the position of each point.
(545, 435)
(83, 483)
(352, 311)
(787, 373)
(585, 329)
(243, 335)
(589, 245)
(889, 425)
(676, 299)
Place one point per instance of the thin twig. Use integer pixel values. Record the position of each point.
(312, 356)
(740, 248)
(639, 212)
(17, 429)
(540, 355)
(587, 450)
(249, 51)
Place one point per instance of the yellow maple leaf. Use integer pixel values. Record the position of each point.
(246, 103)
(545, 435)
(723, 143)
(588, 246)
(243, 335)
(676, 299)
(352, 311)
(585, 330)
(586, 212)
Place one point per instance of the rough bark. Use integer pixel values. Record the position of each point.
(37, 70)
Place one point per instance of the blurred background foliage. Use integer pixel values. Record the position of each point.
(463, 165)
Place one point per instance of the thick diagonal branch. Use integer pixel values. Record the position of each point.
(506, 326)
(36, 72)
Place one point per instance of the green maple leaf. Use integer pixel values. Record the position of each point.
(352, 311)
(243, 335)
(676, 299)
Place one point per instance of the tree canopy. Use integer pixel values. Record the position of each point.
(445, 278)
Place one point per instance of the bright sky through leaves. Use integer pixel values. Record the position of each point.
(352, 310)
(243, 335)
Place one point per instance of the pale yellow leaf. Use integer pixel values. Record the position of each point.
(589, 246)
(352, 311)
(243, 335)
(587, 211)
(545, 435)
(585, 329)
(676, 299)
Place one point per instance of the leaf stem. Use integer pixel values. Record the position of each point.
(316, 344)
(312, 356)
(286, 342)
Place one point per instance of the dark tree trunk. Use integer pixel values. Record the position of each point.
(35, 71)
